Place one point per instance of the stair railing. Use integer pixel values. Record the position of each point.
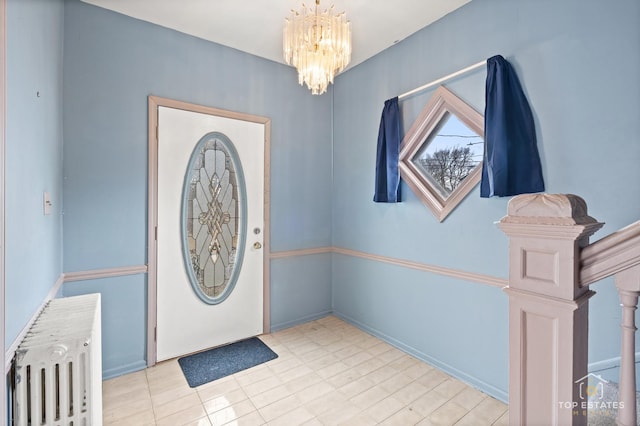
(551, 268)
(619, 254)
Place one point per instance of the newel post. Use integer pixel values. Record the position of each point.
(548, 310)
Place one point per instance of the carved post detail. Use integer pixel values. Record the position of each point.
(548, 310)
(628, 284)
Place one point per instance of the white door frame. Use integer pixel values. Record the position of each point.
(152, 219)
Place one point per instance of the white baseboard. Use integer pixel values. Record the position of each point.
(313, 317)
(499, 394)
(607, 364)
(124, 369)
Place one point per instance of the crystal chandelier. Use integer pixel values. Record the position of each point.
(318, 44)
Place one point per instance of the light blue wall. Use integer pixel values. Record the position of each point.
(298, 290)
(578, 62)
(33, 157)
(124, 335)
(111, 64)
(422, 313)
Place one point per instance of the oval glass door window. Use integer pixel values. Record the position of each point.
(213, 218)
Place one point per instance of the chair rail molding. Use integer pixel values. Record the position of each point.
(94, 274)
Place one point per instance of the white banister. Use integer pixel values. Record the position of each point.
(628, 285)
(551, 266)
(548, 309)
(619, 254)
(610, 255)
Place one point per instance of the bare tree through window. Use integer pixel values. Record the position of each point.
(449, 166)
(450, 154)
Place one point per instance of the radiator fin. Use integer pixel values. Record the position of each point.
(58, 367)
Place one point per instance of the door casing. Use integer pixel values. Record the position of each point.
(152, 220)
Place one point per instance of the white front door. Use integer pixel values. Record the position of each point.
(210, 218)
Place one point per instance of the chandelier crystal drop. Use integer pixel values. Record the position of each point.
(318, 44)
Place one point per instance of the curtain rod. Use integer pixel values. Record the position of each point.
(445, 78)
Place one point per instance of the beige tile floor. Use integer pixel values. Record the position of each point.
(327, 373)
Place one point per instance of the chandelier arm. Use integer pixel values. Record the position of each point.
(318, 44)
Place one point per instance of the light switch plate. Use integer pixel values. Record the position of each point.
(46, 198)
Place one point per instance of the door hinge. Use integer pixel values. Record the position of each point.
(155, 334)
(156, 233)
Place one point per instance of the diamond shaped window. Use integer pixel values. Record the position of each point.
(441, 154)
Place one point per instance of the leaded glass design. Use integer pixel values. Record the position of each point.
(214, 218)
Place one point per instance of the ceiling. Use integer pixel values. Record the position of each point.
(255, 26)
